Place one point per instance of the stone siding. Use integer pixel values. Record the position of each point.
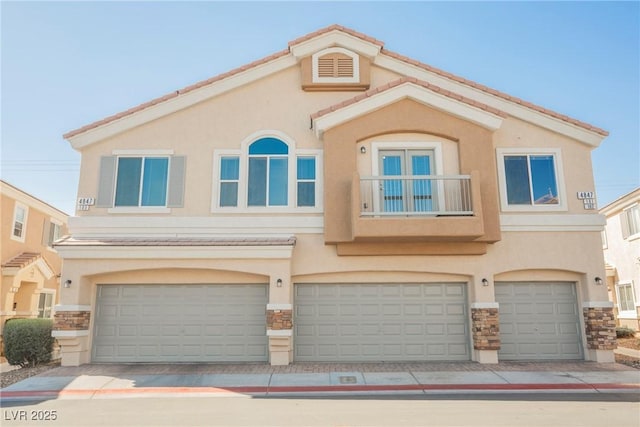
(71, 321)
(279, 319)
(600, 328)
(486, 328)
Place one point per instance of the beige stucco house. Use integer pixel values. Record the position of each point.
(30, 266)
(335, 201)
(621, 245)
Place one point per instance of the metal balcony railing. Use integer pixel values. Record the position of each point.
(416, 195)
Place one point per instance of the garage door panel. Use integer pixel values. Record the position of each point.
(538, 321)
(379, 322)
(161, 323)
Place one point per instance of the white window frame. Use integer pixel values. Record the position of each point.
(140, 209)
(23, 234)
(501, 153)
(626, 314)
(53, 224)
(356, 66)
(625, 217)
(53, 296)
(243, 177)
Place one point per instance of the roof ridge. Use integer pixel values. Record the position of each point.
(317, 33)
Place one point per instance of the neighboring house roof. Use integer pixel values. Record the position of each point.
(621, 202)
(24, 197)
(24, 260)
(321, 33)
(214, 241)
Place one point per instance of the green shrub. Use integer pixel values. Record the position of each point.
(624, 332)
(28, 342)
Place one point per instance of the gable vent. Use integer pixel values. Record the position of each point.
(335, 66)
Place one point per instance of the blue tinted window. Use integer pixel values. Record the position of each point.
(268, 146)
(257, 190)
(278, 180)
(306, 168)
(229, 167)
(128, 181)
(531, 180)
(229, 194)
(154, 184)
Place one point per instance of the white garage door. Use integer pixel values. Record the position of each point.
(538, 321)
(180, 323)
(381, 322)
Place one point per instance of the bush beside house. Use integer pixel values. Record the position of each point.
(28, 342)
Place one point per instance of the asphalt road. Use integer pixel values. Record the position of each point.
(515, 409)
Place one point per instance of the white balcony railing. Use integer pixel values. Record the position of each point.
(419, 195)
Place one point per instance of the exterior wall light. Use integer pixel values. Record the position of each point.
(598, 281)
(279, 283)
(485, 282)
(363, 149)
(67, 283)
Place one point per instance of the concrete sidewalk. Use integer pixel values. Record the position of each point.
(118, 381)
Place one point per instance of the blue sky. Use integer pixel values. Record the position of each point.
(67, 64)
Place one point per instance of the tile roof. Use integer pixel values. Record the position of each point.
(316, 34)
(415, 81)
(496, 92)
(22, 260)
(180, 241)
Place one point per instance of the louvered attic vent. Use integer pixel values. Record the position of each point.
(335, 66)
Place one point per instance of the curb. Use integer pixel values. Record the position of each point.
(305, 390)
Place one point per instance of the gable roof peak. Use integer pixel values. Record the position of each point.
(338, 28)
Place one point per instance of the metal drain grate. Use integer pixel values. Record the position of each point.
(348, 380)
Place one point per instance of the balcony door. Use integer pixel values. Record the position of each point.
(406, 191)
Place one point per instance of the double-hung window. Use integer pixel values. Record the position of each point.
(630, 221)
(19, 223)
(52, 231)
(306, 181)
(626, 300)
(530, 180)
(44, 305)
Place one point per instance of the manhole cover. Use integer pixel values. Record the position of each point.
(348, 380)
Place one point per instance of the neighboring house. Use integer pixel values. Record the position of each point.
(30, 266)
(335, 201)
(621, 244)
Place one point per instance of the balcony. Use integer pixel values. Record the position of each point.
(416, 208)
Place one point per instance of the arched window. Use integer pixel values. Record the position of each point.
(268, 173)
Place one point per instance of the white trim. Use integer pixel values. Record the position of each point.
(139, 210)
(279, 332)
(335, 38)
(42, 265)
(597, 304)
(243, 177)
(485, 305)
(559, 171)
(142, 152)
(626, 314)
(356, 66)
(411, 91)
(510, 107)
(552, 222)
(70, 334)
(23, 234)
(71, 307)
(219, 225)
(172, 252)
(279, 306)
(181, 102)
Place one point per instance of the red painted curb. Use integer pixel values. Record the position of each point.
(312, 389)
